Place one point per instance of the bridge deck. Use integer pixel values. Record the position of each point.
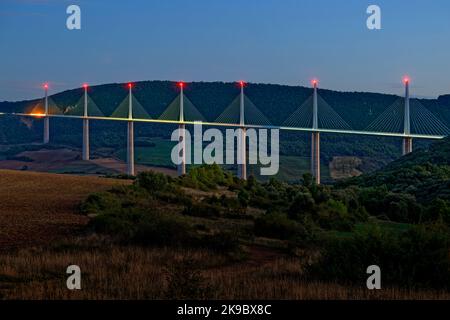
(235, 125)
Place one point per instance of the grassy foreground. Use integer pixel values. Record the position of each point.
(262, 267)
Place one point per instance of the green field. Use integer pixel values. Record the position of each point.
(291, 167)
(159, 155)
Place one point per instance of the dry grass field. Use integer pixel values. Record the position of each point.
(113, 272)
(36, 208)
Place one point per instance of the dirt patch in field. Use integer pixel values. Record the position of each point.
(37, 208)
(345, 167)
(119, 166)
(67, 160)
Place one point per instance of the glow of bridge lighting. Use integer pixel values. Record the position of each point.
(37, 114)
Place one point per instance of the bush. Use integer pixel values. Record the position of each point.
(152, 181)
(99, 202)
(302, 204)
(416, 258)
(278, 226)
(333, 215)
(206, 177)
(203, 210)
(163, 229)
(133, 225)
(185, 281)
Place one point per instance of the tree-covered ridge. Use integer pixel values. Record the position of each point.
(425, 174)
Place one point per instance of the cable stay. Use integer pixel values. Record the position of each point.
(172, 112)
(138, 111)
(78, 109)
(39, 107)
(327, 117)
(422, 121)
(252, 115)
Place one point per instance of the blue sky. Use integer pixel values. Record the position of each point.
(268, 41)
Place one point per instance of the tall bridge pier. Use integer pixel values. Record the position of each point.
(182, 137)
(130, 135)
(46, 118)
(407, 141)
(242, 149)
(315, 139)
(85, 148)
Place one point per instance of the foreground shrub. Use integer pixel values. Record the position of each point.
(278, 226)
(203, 210)
(152, 181)
(206, 177)
(416, 258)
(333, 215)
(131, 225)
(185, 281)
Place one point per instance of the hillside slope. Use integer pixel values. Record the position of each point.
(425, 173)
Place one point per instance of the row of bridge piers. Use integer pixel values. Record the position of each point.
(242, 157)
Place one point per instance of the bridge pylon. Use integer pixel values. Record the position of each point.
(407, 141)
(315, 138)
(130, 134)
(242, 148)
(85, 147)
(46, 118)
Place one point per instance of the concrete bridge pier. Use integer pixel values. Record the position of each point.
(130, 135)
(85, 151)
(242, 148)
(130, 149)
(85, 148)
(407, 145)
(182, 150)
(315, 156)
(46, 118)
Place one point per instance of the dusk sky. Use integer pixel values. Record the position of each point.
(266, 41)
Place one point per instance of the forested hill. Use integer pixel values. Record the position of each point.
(277, 102)
(425, 174)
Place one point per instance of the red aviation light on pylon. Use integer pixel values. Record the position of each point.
(45, 86)
(130, 85)
(315, 82)
(406, 80)
(181, 84)
(242, 84)
(85, 86)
